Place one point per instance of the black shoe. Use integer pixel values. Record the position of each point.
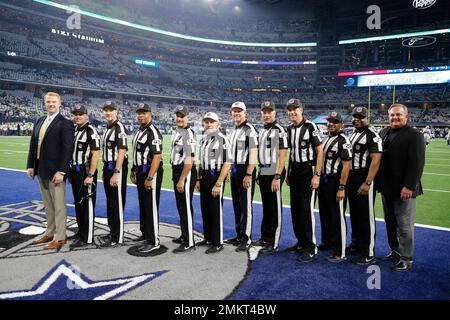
(243, 246)
(352, 249)
(178, 240)
(323, 247)
(402, 265)
(336, 259)
(364, 260)
(307, 257)
(259, 243)
(146, 248)
(203, 243)
(183, 248)
(141, 238)
(391, 257)
(107, 243)
(214, 249)
(295, 248)
(269, 248)
(77, 243)
(233, 241)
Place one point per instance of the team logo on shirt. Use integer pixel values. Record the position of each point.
(377, 139)
(303, 143)
(122, 135)
(315, 133)
(348, 146)
(357, 147)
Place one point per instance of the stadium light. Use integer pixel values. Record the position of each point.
(395, 36)
(173, 34)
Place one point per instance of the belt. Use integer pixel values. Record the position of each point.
(302, 164)
(77, 167)
(264, 165)
(211, 172)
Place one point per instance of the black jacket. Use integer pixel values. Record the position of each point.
(402, 162)
(56, 147)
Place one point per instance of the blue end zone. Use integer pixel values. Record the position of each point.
(280, 276)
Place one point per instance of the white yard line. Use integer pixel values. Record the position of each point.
(284, 206)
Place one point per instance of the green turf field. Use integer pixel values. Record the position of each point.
(433, 208)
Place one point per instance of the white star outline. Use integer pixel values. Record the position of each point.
(63, 268)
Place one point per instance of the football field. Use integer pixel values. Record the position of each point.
(433, 208)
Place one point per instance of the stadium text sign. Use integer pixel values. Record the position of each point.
(416, 42)
(423, 4)
(77, 36)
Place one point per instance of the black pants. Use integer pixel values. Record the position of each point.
(332, 218)
(242, 202)
(85, 198)
(302, 206)
(272, 209)
(184, 202)
(362, 213)
(115, 201)
(211, 207)
(149, 204)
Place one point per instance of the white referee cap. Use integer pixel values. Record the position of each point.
(240, 105)
(212, 116)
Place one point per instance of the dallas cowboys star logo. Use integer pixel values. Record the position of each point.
(65, 282)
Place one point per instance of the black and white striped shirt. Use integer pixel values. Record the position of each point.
(336, 149)
(271, 139)
(243, 138)
(183, 144)
(364, 142)
(303, 139)
(215, 150)
(147, 141)
(113, 139)
(86, 140)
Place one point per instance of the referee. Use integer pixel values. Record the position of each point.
(305, 165)
(184, 177)
(215, 162)
(337, 152)
(272, 151)
(115, 170)
(367, 149)
(244, 149)
(83, 175)
(147, 174)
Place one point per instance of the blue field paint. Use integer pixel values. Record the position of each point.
(281, 276)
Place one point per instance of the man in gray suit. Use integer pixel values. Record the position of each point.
(399, 183)
(49, 155)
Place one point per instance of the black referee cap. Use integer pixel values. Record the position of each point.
(295, 103)
(77, 107)
(360, 112)
(109, 104)
(143, 107)
(268, 104)
(335, 116)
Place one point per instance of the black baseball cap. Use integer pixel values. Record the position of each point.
(77, 107)
(296, 103)
(142, 106)
(335, 116)
(359, 112)
(268, 104)
(182, 110)
(109, 104)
